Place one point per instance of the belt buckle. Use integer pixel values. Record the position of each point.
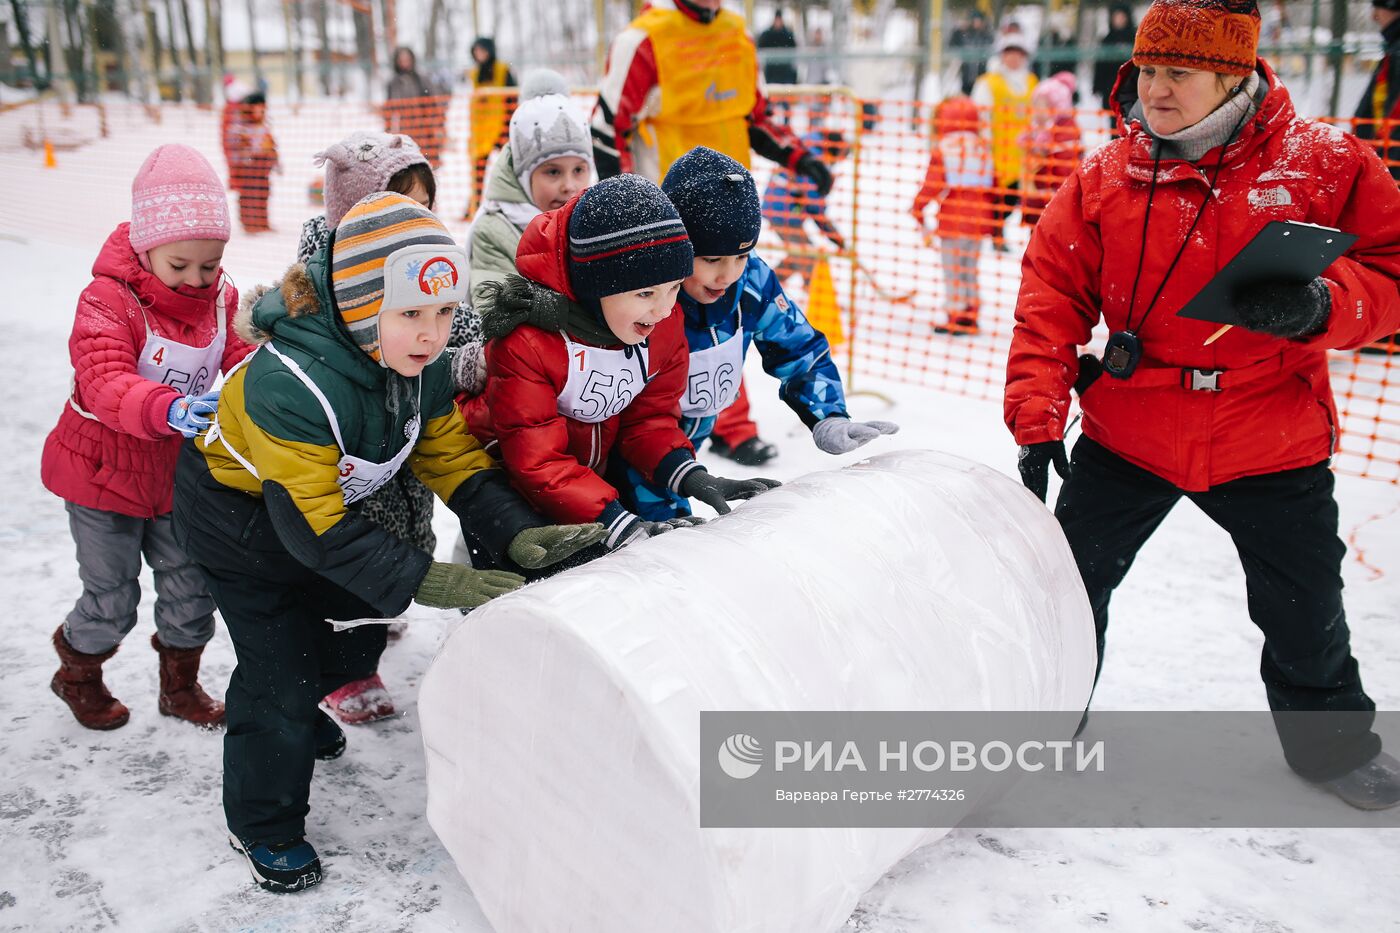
(1205, 380)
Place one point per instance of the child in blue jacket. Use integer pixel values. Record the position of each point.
(733, 299)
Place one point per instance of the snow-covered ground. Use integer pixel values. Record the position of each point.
(123, 830)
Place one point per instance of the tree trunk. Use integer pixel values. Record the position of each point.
(200, 77)
(323, 51)
(253, 43)
(291, 52)
(173, 43)
(75, 51)
(55, 53)
(435, 15)
(214, 38)
(364, 44)
(22, 22)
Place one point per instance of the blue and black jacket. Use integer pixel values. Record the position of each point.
(793, 351)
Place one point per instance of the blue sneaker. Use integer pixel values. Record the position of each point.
(280, 867)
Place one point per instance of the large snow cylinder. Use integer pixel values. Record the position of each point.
(561, 723)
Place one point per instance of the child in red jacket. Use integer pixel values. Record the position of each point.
(1054, 145)
(152, 332)
(587, 350)
(960, 181)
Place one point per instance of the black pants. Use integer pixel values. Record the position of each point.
(1284, 526)
(289, 656)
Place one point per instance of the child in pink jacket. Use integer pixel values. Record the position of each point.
(152, 332)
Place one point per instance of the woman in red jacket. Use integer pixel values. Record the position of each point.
(151, 334)
(588, 351)
(1243, 427)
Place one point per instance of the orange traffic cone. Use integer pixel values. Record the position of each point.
(822, 310)
(49, 160)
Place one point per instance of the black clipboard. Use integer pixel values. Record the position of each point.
(1284, 251)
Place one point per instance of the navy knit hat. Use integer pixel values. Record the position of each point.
(624, 236)
(718, 201)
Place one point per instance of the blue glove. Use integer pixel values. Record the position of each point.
(190, 414)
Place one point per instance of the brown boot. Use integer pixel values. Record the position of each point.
(79, 684)
(181, 695)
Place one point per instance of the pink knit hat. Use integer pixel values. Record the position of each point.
(1057, 93)
(361, 164)
(177, 196)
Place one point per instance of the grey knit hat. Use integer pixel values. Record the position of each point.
(361, 164)
(545, 126)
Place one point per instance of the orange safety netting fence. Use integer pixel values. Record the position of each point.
(913, 277)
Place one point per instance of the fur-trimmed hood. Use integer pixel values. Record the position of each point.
(299, 313)
(298, 298)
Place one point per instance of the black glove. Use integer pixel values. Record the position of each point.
(1090, 369)
(816, 170)
(1284, 309)
(716, 491)
(1034, 463)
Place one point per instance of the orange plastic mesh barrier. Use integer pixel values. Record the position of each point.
(911, 263)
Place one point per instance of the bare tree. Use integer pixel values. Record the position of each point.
(22, 23)
(174, 46)
(323, 36)
(199, 77)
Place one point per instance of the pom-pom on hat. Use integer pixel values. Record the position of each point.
(389, 253)
(717, 200)
(361, 164)
(176, 196)
(1210, 35)
(544, 126)
(624, 236)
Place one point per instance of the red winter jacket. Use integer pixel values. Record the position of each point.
(1274, 410)
(124, 461)
(555, 462)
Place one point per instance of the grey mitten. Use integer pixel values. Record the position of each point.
(837, 435)
(452, 586)
(469, 368)
(534, 548)
(1284, 309)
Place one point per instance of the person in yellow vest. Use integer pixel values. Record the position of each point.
(1004, 95)
(683, 74)
(490, 116)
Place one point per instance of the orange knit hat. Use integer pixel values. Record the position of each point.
(1212, 35)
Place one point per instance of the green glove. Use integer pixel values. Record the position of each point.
(452, 586)
(534, 548)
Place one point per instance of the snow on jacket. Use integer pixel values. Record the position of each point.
(272, 420)
(660, 96)
(793, 351)
(556, 462)
(1274, 409)
(123, 458)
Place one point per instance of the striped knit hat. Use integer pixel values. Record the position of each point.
(625, 235)
(389, 253)
(1212, 35)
